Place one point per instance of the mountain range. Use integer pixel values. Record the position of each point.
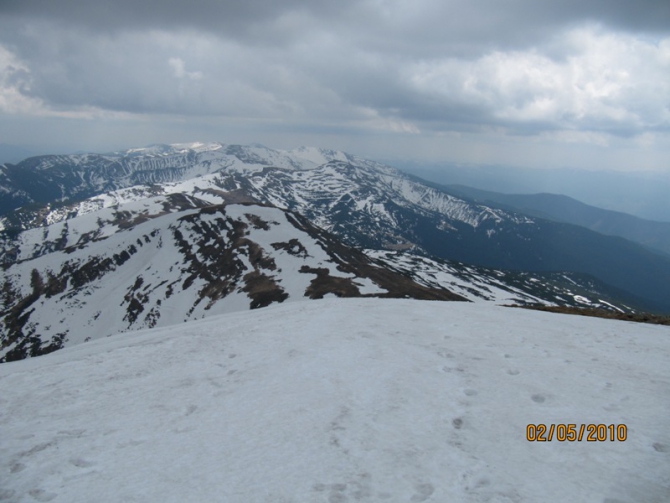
(651, 234)
(96, 244)
(639, 193)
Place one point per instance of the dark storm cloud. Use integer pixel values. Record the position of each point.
(462, 22)
(232, 18)
(521, 66)
(163, 13)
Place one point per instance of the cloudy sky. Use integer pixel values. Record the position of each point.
(575, 83)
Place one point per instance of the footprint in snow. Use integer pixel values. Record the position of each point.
(41, 495)
(72, 433)
(336, 493)
(658, 447)
(537, 398)
(16, 468)
(423, 492)
(6, 494)
(81, 463)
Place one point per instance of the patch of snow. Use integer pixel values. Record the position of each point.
(581, 300)
(368, 287)
(610, 305)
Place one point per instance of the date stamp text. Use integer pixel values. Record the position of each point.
(576, 433)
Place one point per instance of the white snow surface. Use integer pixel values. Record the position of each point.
(342, 400)
(467, 282)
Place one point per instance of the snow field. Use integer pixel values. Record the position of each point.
(342, 400)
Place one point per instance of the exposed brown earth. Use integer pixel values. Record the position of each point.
(602, 313)
(355, 261)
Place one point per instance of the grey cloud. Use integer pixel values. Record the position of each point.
(249, 20)
(420, 25)
(332, 65)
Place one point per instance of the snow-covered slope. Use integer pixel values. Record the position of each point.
(479, 284)
(343, 400)
(158, 268)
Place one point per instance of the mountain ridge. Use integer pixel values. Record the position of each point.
(180, 266)
(649, 233)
